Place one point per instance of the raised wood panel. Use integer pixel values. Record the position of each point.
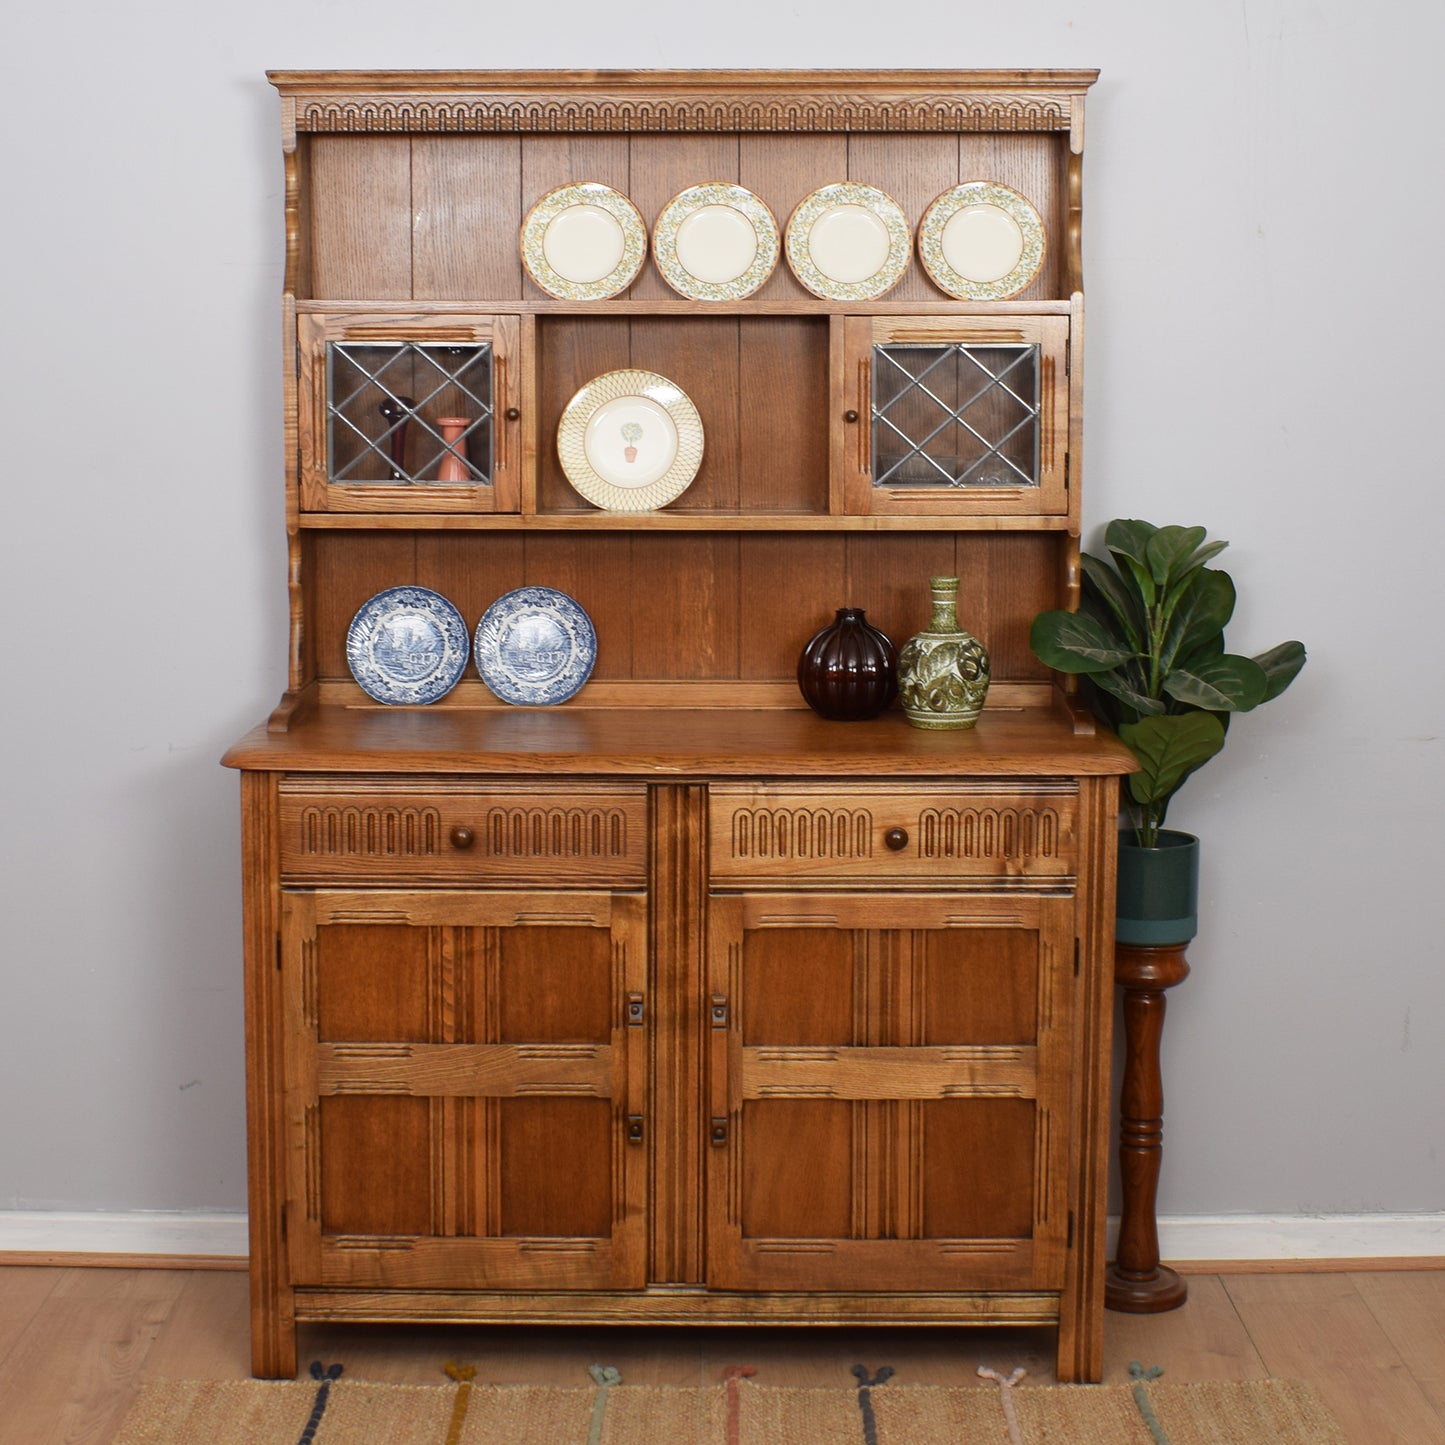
(467, 210)
(360, 214)
(799, 1180)
(978, 1167)
(539, 1198)
(374, 1164)
(371, 982)
(797, 988)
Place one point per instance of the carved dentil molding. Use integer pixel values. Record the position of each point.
(1002, 111)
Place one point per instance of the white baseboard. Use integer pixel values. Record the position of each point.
(1192, 1237)
(138, 1232)
(1297, 1236)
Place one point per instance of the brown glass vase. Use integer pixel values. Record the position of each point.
(848, 671)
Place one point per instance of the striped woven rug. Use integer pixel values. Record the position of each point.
(873, 1407)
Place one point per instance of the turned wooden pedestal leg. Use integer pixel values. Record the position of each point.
(1136, 1282)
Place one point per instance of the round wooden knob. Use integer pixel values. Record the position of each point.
(513, 413)
(896, 839)
(462, 837)
(850, 415)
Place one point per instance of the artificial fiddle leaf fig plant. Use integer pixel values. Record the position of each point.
(1149, 640)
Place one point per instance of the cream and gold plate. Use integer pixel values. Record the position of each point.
(848, 242)
(715, 242)
(981, 241)
(583, 242)
(630, 441)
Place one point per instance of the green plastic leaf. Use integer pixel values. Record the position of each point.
(1198, 621)
(1168, 551)
(1168, 750)
(1281, 666)
(1112, 592)
(1127, 691)
(1075, 642)
(1129, 542)
(1225, 684)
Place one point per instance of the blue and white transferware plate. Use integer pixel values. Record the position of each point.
(407, 645)
(535, 645)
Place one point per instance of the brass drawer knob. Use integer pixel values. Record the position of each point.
(896, 839)
(462, 837)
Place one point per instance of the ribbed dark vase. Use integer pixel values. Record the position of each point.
(849, 670)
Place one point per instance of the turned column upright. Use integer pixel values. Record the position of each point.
(1136, 1283)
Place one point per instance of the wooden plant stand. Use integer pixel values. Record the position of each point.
(1135, 1282)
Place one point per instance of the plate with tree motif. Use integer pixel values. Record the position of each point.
(630, 441)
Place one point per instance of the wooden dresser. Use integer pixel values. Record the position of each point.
(675, 1003)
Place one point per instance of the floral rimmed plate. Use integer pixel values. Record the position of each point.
(981, 241)
(535, 645)
(715, 242)
(849, 242)
(630, 441)
(583, 242)
(407, 645)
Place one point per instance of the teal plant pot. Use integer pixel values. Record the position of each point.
(1158, 900)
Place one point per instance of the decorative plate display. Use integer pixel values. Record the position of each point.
(535, 645)
(630, 441)
(981, 241)
(715, 242)
(583, 242)
(407, 645)
(849, 242)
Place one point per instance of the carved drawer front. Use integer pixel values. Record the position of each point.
(370, 830)
(1009, 831)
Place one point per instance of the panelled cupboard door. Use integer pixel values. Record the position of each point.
(409, 413)
(960, 416)
(465, 1083)
(889, 1092)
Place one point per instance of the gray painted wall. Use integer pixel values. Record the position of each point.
(1263, 212)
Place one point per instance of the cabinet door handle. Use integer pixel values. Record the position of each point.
(462, 837)
(717, 1134)
(512, 413)
(896, 839)
(634, 1129)
(850, 415)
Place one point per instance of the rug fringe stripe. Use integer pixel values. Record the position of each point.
(326, 1376)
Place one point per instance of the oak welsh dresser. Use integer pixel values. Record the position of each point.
(676, 1003)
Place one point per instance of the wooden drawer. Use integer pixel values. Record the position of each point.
(860, 834)
(368, 830)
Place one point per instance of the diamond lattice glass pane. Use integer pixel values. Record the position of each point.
(955, 415)
(405, 413)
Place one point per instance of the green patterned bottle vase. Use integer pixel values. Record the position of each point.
(943, 670)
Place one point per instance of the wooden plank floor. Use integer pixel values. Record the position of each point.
(74, 1343)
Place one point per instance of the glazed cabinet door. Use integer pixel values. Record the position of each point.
(409, 414)
(465, 1077)
(889, 1092)
(954, 416)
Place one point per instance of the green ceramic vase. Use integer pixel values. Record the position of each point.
(1158, 898)
(943, 670)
